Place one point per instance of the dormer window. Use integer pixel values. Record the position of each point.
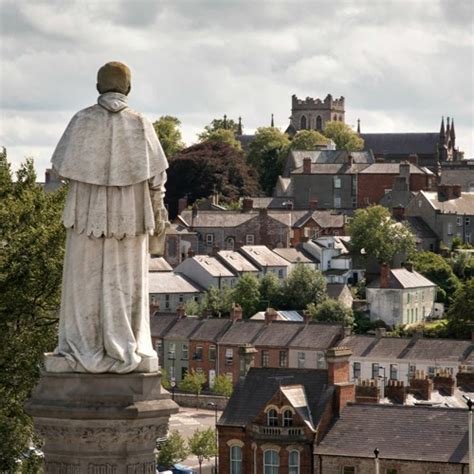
(287, 418)
(272, 418)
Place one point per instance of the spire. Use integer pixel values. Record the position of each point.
(441, 130)
(239, 127)
(272, 123)
(453, 133)
(447, 126)
(225, 121)
(358, 126)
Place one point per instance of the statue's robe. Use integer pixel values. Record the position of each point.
(115, 166)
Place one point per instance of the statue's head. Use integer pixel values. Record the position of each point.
(114, 77)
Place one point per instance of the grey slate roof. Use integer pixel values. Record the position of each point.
(402, 278)
(160, 323)
(242, 332)
(325, 219)
(461, 205)
(293, 255)
(170, 282)
(393, 168)
(269, 202)
(212, 266)
(399, 432)
(401, 143)
(217, 218)
(211, 329)
(317, 336)
(159, 264)
(463, 176)
(323, 168)
(252, 393)
(183, 328)
(420, 228)
(236, 261)
(263, 256)
(330, 156)
(278, 334)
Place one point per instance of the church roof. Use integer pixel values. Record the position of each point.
(401, 143)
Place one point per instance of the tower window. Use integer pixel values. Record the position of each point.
(319, 123)
(303, 123)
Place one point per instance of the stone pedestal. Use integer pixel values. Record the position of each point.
(100, 423)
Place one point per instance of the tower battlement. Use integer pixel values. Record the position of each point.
(317, 104)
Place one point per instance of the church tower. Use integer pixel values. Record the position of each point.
(312, 114)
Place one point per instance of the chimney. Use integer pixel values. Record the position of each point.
(270, 315)
(313, 203)
(449, 191)
(307, 165)
(384, 275)
(396, 391)
(404, 170)
(337, 359)
(247, 204)
(191, 253)
(236, 312)
(289, 205)
(409, 266)
(380, 332)
(180, 312)
(398, 212)
(306, 317)
(182, 204)
(413, 159)
(349, 160)
(367, 391)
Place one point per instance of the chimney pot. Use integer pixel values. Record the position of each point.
(384, 275)
(307, 165)
(236, 312)
(180, 312)
(270, 315)
(247, 204)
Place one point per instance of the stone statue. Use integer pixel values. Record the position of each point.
(115, 166)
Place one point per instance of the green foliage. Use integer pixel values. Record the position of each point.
(193, 308)
(462, 264)
(436, 268)
(165, 379)
(222, 136)
(173, 450)
(308, 140)
(266, 155)
(362, 323)
(461, 312)
(203, 445)
(271, 291)
(167, 129)
(32, 248)
(247, 294)
(377, 234)
(218, 124)
(331, 311)
(223, 386)
(219, 301)
(303, 286)
(193, 382)
(343, 136)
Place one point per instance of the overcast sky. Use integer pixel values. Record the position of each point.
(400, 65)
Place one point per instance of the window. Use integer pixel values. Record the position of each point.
(348, 470)
(319, 123)
(294, 462)
(280, 274)
(249, 239)
(450, 228)
(181, 298)
(198, 354)
(271, 462)
(235, 460)
(411, 370)
(265, 358)
(229, 356)
(431, 371)
(375, 371)
(337, 202)
(303, 123)
(467, 221)
(356, 369)
(172, 351)
(167, 301)
(272, 417)
(394, 371)
(420, 203)
(459, 221)
(158, 347)
(337, 182)
(287, 418)
(184, 352)
(212, 353)
(354, 202)
(301, 360)
(408, 297)
(320, 360)
(209, 239)
(283, 358)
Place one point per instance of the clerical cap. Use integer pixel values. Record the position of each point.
(114, 77)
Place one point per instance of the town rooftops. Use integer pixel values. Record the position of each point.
(293, 255)
(210, 329)
(159, 264)
(325, 219)
(401, 278)
(277, 333)
(463, 176)
(212, 266)
(242, 332)
(183, 328)
(216, 218)
(160, 323)
(317, 336)
(330, 156)
(401, 143)
(263, 256)
(253, 392)
(323, 168)
(170, 282)
(236, 261)
(280, 316)
(393, 168)
(399, 432)
(269, 202)
(422, 349)
(461, 205)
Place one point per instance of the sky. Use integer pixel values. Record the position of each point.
(401, 65)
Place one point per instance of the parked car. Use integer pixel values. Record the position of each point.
(175, 469)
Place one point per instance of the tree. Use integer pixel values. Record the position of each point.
(437, 269)
(266, 155)
(461, 312)
(223, 386)
(32, 248)
(271, 291)
(167, 129)
(173, 450)
(219, 124)
(193, 308)
(165, 379)
(374, 233)
(331, 311)
(247, 294)
(211, 166)
(308, 140)
(223, 136)
(304, 286)
(203, 445)
(193, 382)
(219, 301)
(462, 264)
(343, 136)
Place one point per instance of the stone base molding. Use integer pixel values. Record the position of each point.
(100, 423)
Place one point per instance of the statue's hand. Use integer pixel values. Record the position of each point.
(161, 221)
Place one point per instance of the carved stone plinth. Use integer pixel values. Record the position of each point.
(100, 423)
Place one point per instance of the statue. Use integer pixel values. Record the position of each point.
(115, 167)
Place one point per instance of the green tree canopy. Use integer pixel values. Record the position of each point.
(303, 286)
(173, 450)
(374, 232)
(203, 445)
(308, 140)
(219, 124)
(266, 155)
(32, 248)
(193, 382)
(167, 129)
(437, 269)
(343, 136)
(331, 311)
(247, 294)
(271, 291)
(223, 136)
(462, 264)
(223, 386)
(461, 311)
(219, 301)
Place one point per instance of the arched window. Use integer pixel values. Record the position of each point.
(235, 460)
(271, 462)
(303, 123)
(272, 417)
(340, 118)
(287, 418)
(294, 462)
(319, 123)
(229, 243)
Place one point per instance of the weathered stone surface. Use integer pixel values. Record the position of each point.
(100, 424)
